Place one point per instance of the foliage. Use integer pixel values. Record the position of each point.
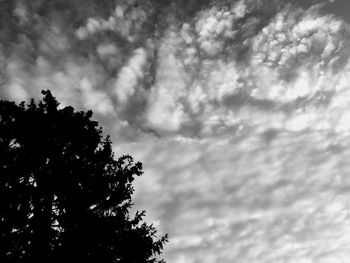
(63, 195)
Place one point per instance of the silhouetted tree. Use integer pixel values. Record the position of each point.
(63, 195)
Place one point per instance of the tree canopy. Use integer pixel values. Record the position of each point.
(63, 194)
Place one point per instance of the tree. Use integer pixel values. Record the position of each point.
(64, 197)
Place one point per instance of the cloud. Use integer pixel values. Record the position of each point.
(96, 100)
(238, 110)
(129, 76)
(166, 112)
(106, 50)
(286, 206)
(124, 21)
(280, 68)
(219, 208)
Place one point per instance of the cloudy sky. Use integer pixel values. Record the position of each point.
(238, 109)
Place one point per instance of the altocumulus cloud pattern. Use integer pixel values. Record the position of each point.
(239, 111)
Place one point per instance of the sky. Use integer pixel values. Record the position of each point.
(238, 109)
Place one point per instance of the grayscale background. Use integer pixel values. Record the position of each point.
(239, 111)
